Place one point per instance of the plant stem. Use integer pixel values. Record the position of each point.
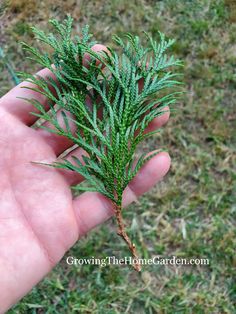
(122, 233)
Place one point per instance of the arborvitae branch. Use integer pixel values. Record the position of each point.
(112, 83)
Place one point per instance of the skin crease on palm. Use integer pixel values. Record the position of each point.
(39, 219)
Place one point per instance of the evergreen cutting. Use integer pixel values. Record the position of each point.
(127, 89)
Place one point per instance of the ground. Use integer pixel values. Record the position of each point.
(191, 213)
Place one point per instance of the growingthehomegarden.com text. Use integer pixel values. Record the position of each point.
(155, 260)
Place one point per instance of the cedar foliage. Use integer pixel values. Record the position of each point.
(113, 124)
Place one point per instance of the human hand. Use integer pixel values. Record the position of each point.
(39, 218)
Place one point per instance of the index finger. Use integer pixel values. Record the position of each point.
(20, 107)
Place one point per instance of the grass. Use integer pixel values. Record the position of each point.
(189, 214)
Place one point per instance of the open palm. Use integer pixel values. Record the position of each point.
(39, 218)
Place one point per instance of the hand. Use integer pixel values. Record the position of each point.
(39, 219)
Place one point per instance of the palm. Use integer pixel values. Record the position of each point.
(39, 219)
(40, 195)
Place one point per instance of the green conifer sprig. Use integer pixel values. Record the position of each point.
(111, 127)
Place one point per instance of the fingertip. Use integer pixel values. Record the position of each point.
(164, 160)
(150, 174)
(159, 121)
(165, 116)
(99, 47)
(95, 48)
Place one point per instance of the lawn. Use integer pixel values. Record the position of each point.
(191, 213)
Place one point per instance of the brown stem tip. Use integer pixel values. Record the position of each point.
(122, 233)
